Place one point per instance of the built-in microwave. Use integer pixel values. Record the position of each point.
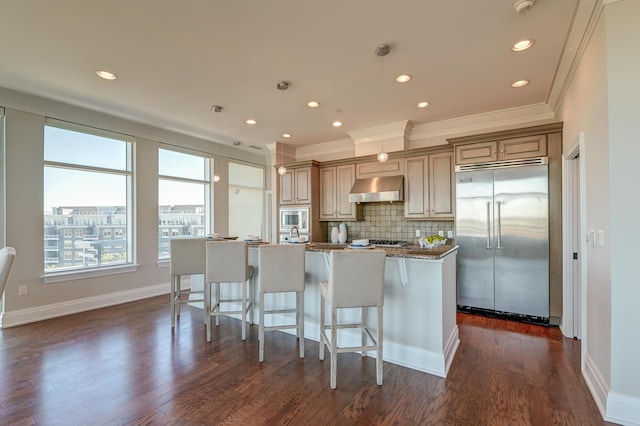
(294, 216)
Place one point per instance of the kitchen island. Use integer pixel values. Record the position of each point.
(420, 330)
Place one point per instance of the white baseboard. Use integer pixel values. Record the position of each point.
(596, 383)
(623, 409)
(29, 315)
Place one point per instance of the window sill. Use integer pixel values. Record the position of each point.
(56, 277)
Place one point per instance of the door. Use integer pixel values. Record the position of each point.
(474, 231)
(521, 240)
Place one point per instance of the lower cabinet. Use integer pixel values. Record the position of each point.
(429, 187)
(335, 184)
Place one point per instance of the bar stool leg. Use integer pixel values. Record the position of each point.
(379, 349)
(261, 329)
(364, 311)
(173, 301)
(300, 318)
(252, 293)
(207, 308)
(322, 336)
(244, 311)
(216, 308)
(334, 346)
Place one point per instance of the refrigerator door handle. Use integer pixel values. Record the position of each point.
(488, 225)
(499, 226)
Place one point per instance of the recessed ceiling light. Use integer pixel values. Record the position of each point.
(286, 135)
(251, 121)
(403, 78)
(522, 45)
(520, 83)
(313, 104)
(336, 124)
(423, 104)
(107, 75)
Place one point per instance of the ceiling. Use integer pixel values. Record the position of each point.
(175, 59)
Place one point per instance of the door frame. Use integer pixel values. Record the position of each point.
(574, 315)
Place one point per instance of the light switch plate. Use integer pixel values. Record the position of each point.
(441, 233)
(449, 234)
(417, 232)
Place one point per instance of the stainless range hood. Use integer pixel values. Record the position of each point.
(384, 188)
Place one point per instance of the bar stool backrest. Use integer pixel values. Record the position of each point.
(7, 256)
(281, 268)
(187, 256)
(226, 262)
(356, 278)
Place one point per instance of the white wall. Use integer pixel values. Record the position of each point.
(623, 58)
(602, 102)
(585, 109)
(25, 116)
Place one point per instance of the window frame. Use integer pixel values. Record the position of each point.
(207, 183)
(129, 265)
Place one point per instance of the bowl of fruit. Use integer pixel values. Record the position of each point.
(432, 241)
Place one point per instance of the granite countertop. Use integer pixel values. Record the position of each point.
(411, 251)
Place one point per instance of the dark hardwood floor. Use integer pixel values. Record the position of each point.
(123, 365)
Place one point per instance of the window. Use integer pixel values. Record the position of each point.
(246, 199)
(87, 182)
(106, 233)
(183, 196)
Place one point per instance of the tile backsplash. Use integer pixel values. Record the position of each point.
(386, 221)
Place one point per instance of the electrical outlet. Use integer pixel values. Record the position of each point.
(417, 232)
(441, 233)
(449, 234)
(23, 290)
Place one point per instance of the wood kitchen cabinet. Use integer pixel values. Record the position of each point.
(499, 150)
(295, 186)
(429, 187)
(335, 184)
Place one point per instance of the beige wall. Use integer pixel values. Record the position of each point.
(24, 133)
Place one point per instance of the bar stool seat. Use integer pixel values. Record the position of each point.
(281, 270)
(356, 279)
(187, 258)
(227, 262)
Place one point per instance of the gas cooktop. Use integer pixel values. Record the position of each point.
(388, 243)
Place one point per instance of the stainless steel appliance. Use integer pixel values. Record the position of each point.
(297, 217)
(388, 243)
(502, 229)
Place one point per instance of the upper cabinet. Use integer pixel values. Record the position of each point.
(429, 187)
(504, 149)
(296, 185)
(335, 184)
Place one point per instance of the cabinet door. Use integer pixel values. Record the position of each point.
(345, 177)
(525, 147)
(416, 187)
(476, 153)
(302, 185)
(328, 193)
(441, 185)
(286, 188)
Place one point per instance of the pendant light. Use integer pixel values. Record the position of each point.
(282, 85)
(382, 51)
(216, 109)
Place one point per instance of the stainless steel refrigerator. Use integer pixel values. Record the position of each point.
(502, 228)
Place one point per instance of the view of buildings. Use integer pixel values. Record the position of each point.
(85, 236)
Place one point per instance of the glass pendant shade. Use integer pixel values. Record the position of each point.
(382, 157)
(216, 178)
(282, 170)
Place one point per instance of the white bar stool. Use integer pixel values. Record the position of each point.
(187, 258)
(282, 270)
(227, 262)
(356, 279)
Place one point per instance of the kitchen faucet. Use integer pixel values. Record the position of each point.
(291, 232)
